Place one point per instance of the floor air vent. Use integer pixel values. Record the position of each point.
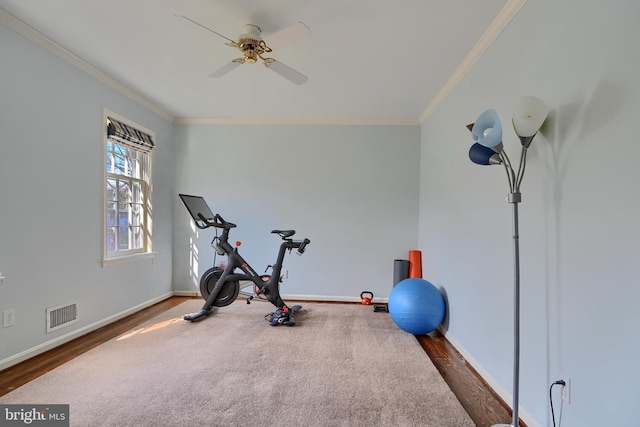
(61, 316)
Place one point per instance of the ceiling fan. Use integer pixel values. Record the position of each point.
(254, 47)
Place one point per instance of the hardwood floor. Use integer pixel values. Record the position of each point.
(483, 406)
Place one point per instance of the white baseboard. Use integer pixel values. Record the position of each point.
(48, 345)
(330, 298)
(186, 293)
(504, 394)
(296, 297)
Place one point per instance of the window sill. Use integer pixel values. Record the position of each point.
(129, 258)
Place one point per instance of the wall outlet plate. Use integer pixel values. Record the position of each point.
(8, 317)
(565, 391)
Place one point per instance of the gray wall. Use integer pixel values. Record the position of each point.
(51, 190)
(578, 218)
(352, 190)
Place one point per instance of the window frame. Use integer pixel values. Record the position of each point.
(146, 252)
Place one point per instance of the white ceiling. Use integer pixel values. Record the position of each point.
(367, 60)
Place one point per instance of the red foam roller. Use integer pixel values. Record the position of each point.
(415, 264)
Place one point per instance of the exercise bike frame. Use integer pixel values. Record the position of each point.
(229, 277)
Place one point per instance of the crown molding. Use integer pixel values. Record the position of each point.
(299, 121)
(508, 12)
(40, 39)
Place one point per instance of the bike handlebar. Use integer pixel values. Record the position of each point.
(218, 222)
(303, 246)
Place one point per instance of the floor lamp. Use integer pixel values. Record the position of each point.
(529, 114)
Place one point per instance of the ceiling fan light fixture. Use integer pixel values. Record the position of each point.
(251, 31)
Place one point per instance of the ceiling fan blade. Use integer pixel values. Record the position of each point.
(225, 69)
(287, 72)
(292, 34)
(206, 28)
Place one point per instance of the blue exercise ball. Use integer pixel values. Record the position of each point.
(416, 306)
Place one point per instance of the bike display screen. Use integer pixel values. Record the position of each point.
(196, 205)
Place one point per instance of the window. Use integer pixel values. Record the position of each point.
(127, 200)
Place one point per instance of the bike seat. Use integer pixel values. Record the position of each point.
(284, 233)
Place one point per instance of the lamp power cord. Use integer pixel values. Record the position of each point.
(553, 417)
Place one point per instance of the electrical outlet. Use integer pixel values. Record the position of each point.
(565, 391)
(286, 274)
(9, 317)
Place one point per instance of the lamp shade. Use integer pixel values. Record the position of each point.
(529, 113)
(487, 130)
(481, 155)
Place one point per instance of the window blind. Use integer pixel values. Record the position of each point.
(123, 134)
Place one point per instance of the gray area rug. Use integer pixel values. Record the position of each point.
(341, 365)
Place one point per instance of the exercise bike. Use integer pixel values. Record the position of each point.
(222, 286)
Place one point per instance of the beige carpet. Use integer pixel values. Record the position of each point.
(341, 365)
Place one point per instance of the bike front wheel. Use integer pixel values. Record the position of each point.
(228, 292)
